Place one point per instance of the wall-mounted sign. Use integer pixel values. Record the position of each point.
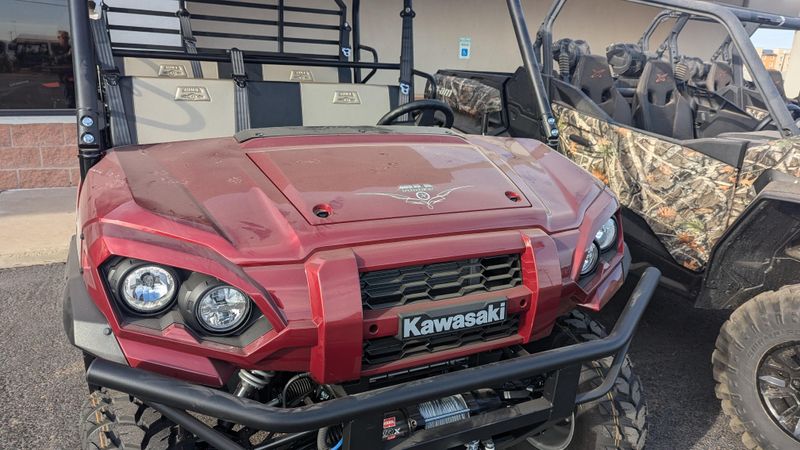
(464, 48)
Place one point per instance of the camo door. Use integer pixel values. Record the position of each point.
(685, 196)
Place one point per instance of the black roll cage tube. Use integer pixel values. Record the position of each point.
(732, 19)
(724, 51)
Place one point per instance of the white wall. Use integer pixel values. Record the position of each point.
(439, 25)
(792, 80)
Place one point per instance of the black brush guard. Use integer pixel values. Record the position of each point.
(362, 412)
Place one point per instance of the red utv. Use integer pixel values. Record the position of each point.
(274, 254)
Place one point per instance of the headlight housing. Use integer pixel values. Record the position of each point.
(148, 291)
(212, 306)
(606, 236)
(222, 308)
(590, 259)
(145, 289)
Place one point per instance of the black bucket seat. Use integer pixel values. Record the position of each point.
(660, 107)
(592, 76)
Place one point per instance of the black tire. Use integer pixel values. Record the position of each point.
(619, 419)
(113, 420)
(761, 324)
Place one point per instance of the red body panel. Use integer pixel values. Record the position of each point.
(244, 213)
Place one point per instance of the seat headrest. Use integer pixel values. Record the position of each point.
(567, 52)
(691, 70)
(657, 82)
(593, 77)
(626, 60)
(720, 75)
(777, 78)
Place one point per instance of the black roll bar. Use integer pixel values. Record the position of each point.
(544, 38)
(301, 9)
(269, 58)
(731, 18)
(88, 110)
(663, 16)
(547, 123)
(345, 51)
(356, 24)
(767, 19)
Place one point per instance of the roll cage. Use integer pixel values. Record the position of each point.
(752, 21)
(93, 72)
(738, 22)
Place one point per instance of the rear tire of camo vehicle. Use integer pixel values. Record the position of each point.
(618, 420)
(756, 365)
(114, 420)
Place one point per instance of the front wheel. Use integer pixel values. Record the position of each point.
(616, 421)
(114, 420)
(756, 366)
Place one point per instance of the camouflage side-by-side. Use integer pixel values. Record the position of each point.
(782, 155)
(468, 96)
(685, 196)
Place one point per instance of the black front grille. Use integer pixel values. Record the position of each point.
(388, 349)
(439, 281)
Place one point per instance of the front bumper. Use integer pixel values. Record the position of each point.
(173, 397)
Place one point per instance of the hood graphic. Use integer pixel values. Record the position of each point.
(421, 193)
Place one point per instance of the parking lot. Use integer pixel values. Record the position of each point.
(41, 386)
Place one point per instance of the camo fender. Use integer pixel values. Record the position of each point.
(782, 155)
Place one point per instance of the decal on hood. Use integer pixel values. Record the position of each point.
(422, 194)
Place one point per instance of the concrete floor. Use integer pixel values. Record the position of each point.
(35, 225)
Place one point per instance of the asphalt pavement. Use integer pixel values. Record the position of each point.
(41, 384)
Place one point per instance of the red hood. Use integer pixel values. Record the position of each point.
(259, 197)
(383, 180)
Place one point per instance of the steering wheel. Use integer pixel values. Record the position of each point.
(767, 121)
(423, 113)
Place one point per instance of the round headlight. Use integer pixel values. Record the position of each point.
(606, 236)
(148, 289)
(590, 259)
(222, 308)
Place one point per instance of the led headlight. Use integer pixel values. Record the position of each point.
(212, 306)
(144, 288)
(222, 308)
(606, 236)
(590, 259)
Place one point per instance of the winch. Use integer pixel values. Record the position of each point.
(434, 413)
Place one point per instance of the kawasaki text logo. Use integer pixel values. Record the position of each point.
(425, 325)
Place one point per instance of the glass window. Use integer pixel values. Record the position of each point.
(35, 55)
